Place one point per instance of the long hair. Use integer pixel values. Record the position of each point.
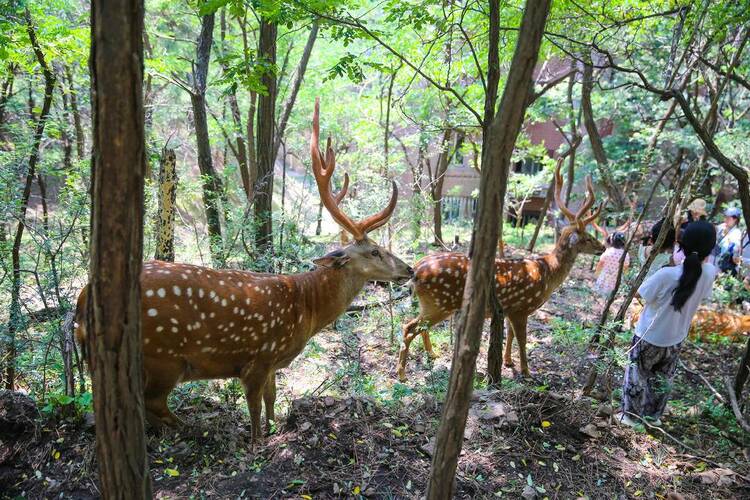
(698, 239)
(668, 241)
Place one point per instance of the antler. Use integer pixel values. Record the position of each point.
(323, 171)
(558, 188)
(580, 218)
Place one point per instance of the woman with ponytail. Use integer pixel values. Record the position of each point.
(671, 296)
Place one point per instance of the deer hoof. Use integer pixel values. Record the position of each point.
(508, 363)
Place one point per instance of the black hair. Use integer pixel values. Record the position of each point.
(618, 240)
(697, 241)
(668, 241)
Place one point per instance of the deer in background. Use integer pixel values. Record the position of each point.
(522, 285)
(709, 322)
(200, 323)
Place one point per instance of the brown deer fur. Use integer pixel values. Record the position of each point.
(201, 323)
(522, 285)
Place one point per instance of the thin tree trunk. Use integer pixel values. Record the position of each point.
(265, 144)
(597, 147)
(113, 310)
(65, 139)
(165, 214)
(742, 372)
(298, 77)
(80, 137)
(16, 316)
(501, 137)
(573, 127)
(211, 183)
(436, 189)
(542, 214)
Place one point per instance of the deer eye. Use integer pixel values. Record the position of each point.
(375, 253)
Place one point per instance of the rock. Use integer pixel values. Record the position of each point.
(719, 477)
(419, 428)
(306, 426)
(428, 448)
(18, 414)
(328, 401)
(605, 411)
(591, 431)
(529, 493)
(89, 420)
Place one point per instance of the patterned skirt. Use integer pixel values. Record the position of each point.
(648, 378)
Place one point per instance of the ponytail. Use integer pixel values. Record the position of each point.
(692, 268)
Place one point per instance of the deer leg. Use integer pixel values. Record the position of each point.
(254, 381)
(508, 358)
(157, 390)
(519, 329)
(406, 338)
(427, 343)
(269, 398)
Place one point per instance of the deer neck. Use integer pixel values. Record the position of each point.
(326, 293)
(560, 261)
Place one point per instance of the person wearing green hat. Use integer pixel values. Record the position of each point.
(670, 296)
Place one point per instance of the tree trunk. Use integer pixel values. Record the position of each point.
(265, 143)
(573, 127)
(542, 214)
(597, 147)
(296, 84)
(80, 138)
(496, 155)
(436, 190)
(16, 316)
(113, 309)
(166, 212)
(211, 182)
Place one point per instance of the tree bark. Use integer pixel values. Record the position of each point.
(113, 309)
(265, 134)
(166, 210)
(597, 147)
(436, 186)
(80, 138)
(496, 155)
(16, 316)
(296, 84)
(211, 183)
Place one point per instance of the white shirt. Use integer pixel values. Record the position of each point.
(660, 324)
(729, 241)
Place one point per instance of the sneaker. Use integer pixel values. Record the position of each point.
(625, 419)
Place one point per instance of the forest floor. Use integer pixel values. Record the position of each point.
(346, 428)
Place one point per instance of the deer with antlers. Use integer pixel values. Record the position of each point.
(201, 323)
(522, 285)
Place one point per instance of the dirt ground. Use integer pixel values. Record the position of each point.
(346, 428)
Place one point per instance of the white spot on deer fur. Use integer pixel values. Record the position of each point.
(221, 282)
(235, 310)
(176, 290)
(152, 312)
(184, 276)
(247, 301)
(212, 314)
(149, 293)
(146, 341)
(158, 349)
(174, 321)
(189, 292)
(232, 297)
(175, 329)
(207, 349)
(198, 342)
(224, 302)
(207, 336)
(161, 292)
(159, 329)
(203, 315)
(200, 292)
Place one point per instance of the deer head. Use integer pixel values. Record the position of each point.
(363, 257)
(574, 237)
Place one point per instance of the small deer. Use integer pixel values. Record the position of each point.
(709, 322)
(200, 323)
(522, 285)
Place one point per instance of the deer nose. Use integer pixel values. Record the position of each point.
(409, 270)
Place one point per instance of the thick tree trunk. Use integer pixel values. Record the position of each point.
(496, 155)
(16, 316)
(211, 182)
(166, 212)
(265, 143)
(113, 312)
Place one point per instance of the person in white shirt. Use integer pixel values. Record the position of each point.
(727, 252)
(671, 296)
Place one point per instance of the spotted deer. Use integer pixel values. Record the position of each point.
(200, 323)
(708, 324)
(522, 285)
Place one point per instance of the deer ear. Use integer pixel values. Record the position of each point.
(333, 260)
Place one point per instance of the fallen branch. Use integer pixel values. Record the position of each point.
(736, 407)
(705, 381)
(372, 305)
